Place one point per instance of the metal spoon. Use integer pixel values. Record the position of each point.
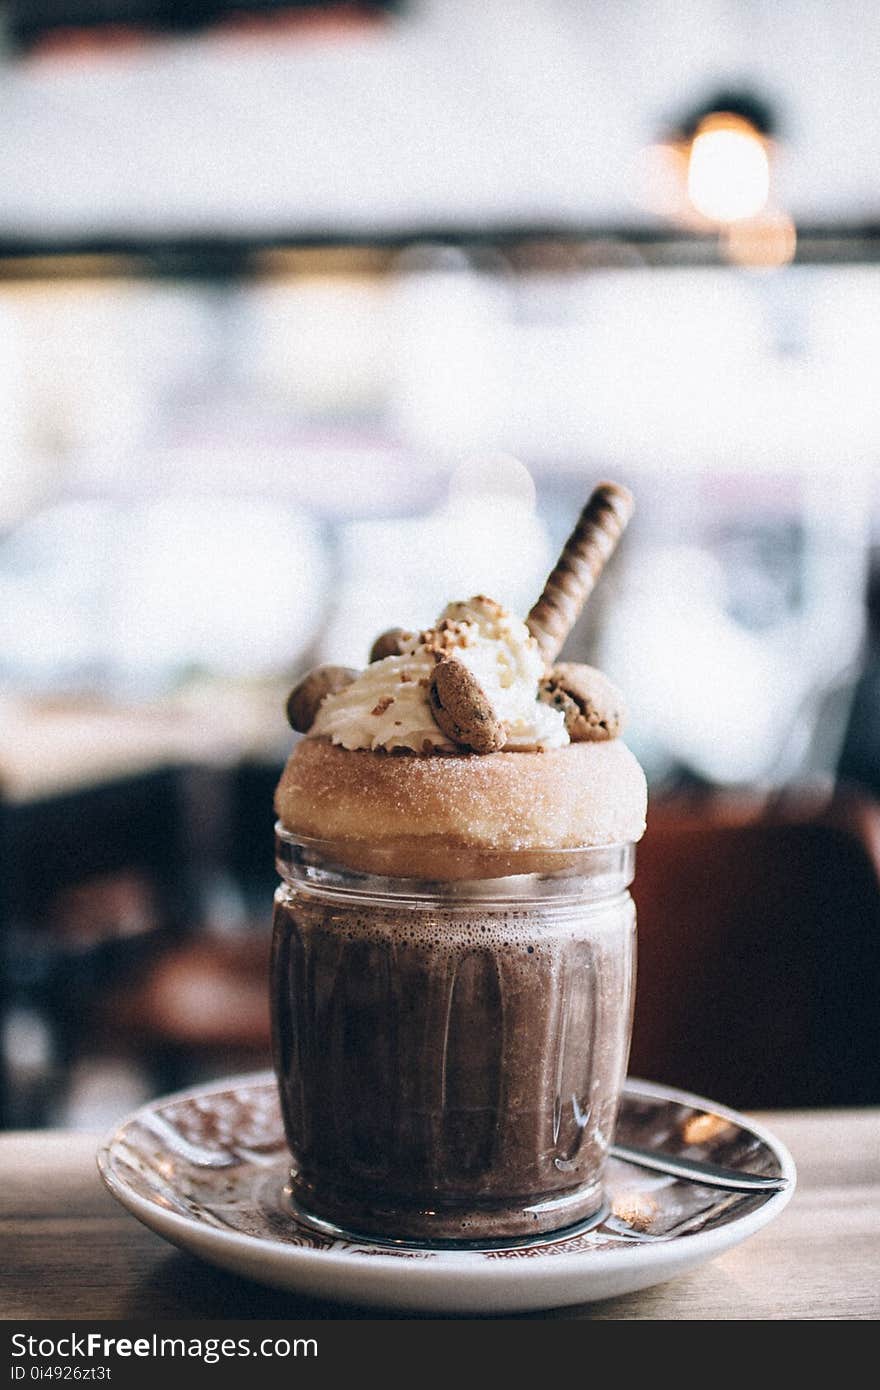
(695, 1170)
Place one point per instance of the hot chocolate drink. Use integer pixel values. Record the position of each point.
(453, 1069)
(453, 954)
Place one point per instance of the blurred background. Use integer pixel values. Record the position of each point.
(315, 316)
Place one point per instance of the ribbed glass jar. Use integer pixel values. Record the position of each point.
(450, 1055)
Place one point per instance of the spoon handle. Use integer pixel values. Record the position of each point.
(695, 1170)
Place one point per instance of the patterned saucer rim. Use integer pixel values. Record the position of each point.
(601, 1268)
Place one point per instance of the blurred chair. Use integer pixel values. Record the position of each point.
(200, 1010)
(92, 881)
(759, 951)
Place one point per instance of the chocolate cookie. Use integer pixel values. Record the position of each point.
(592, 706)
(305, 699)
(463, 710)
(389, 643)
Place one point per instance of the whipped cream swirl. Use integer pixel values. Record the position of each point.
(388, 706)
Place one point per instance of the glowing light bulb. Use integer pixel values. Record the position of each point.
(728, 169)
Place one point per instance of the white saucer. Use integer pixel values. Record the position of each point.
(207, 1169)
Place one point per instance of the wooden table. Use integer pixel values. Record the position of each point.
(68, 1250)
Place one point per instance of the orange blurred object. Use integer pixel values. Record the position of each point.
(764, 243)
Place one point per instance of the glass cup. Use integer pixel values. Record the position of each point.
(450, 1055)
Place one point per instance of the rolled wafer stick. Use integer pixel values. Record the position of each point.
(584, 556)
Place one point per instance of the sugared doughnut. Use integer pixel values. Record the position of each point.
(462, 815)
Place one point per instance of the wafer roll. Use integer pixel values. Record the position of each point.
(584, 556)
